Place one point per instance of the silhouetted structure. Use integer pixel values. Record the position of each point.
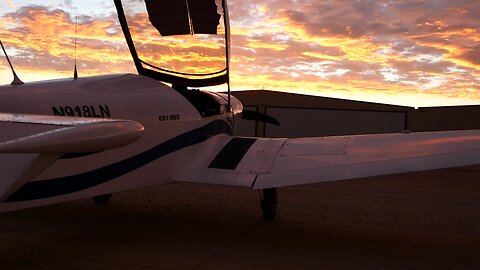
(304, 116)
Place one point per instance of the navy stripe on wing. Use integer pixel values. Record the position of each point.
(232, 153)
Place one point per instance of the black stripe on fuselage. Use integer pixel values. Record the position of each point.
(73, 183)
(232, 153)
(76, 155)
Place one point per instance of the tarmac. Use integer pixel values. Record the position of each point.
(426, 220)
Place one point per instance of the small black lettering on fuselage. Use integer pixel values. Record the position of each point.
(96, 111)
(171, 117)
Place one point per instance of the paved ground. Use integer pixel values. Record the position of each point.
(428, 220)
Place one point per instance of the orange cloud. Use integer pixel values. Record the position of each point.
(256, 44)
(44, 39)
(313, 50)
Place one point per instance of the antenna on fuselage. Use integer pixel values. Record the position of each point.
(75, 73)
(16, 80)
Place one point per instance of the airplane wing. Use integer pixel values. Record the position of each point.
(266, 163)
(31, 143)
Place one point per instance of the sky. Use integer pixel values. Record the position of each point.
(404, 52)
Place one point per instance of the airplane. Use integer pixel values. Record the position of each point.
(68, 139)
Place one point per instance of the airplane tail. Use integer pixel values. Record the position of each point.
(31, 143)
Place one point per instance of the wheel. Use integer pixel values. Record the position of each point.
(102, 199)
(269, 203)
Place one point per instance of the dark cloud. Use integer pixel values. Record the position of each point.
(472, 55)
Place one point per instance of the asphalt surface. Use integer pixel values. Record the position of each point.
(427, 220)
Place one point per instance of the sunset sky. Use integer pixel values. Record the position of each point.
(406, 52)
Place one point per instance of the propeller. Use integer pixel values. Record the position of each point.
(256, 116)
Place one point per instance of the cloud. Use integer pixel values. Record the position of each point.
(338, 47)
(396, 36)
(44, 39)
(10, 3)
(472, 55)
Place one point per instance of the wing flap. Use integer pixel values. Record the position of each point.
(219, 177)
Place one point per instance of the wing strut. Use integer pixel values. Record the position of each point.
(226, 22)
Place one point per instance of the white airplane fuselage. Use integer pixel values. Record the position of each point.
(173, 127)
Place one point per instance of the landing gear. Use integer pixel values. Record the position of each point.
(269, 203)
(102, 199)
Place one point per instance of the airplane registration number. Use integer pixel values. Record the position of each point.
(98, 111)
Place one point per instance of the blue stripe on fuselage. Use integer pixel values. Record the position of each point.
(73, 183)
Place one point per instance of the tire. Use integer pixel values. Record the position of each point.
(269, 203)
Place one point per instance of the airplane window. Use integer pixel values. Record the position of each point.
(179, 39)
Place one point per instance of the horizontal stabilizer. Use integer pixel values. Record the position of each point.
(31, 143)
(59, 134)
